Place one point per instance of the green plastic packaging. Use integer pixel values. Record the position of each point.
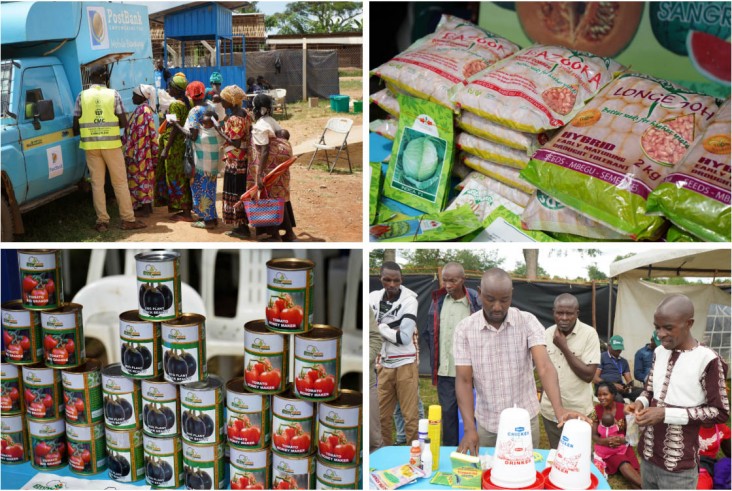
(374, 190)
(503, 225)
(421, 157)
(448, 225)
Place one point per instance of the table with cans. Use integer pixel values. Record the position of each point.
(159, 417)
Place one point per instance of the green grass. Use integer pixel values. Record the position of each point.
(354, 72)
(429, 396)
(351, 84)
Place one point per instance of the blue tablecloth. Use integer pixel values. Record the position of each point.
(15, 476)
(388, 457)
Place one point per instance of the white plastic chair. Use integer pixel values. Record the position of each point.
(106, 298)
(339, 126)
(279, 100)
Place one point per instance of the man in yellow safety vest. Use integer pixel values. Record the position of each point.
(98, 116)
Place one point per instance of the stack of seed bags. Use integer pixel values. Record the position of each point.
(509, 110)
(618, 149)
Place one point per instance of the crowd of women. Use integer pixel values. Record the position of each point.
(215, 132)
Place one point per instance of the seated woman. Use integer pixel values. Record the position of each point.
(269, 151)
(620, 456)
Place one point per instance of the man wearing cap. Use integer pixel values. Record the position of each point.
(615, 369)
(574, 350)
(684, 391)
(644, 359)
(98, 117)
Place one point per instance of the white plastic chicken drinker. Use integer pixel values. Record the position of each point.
(513, 460)
(571, 469)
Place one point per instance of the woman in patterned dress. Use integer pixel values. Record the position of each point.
(172, 187)
(140, 144)
(236, 159)
(269, 151)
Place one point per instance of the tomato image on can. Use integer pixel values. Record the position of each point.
(21, 334)
(317, 363)
(339, 429)
(41, 281)
(43, 392)
(122, 399)
(14, 439)
(158, 285)
(289, 295)
(160, 408)
(63, 336)
(83, 393)
(48, 443)
(204, 466)
(293, 472)
(248, 417)
(184, 349)
(265, 358)
(250, 469)
(163, 462)
(11, 400)
(293, 424)
(87, 448)
(141, 347)
(202, 411)
(125, 455)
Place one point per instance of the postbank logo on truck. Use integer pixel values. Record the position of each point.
(99, 18)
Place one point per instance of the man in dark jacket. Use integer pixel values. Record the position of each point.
(450, 304)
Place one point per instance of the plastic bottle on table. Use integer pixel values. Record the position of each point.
(434, 432)
(415, 454)
(427, 460)
(422, 431)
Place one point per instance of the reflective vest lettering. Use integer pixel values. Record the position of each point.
(98, 124)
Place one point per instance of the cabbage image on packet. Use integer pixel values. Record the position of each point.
(606, 162)
(421, 157)
(695, 196)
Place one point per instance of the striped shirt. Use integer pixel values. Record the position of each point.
(503, 373)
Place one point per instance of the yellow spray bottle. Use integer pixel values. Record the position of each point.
(434, 432)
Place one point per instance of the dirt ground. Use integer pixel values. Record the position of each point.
(328, 207)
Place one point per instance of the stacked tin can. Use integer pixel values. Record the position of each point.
(287, 336)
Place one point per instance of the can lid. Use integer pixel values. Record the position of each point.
(321, 331)
(212, 382)
(64, 309)
(89, 365)
(188, 319)
(13, 305)
(131, 316)
(259, 326)
(157, 256)
(113, 370)
(347, 398)
(290, 264)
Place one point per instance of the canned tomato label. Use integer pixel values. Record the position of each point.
(265, 358)
(329, 476)
(12, 389)
(248, 418)
(318, 363)
(125, 455)
(184, 349)
(160, 408)
(47, 443)
(163, 462)
(293, 424)
(202, 411)
(141, 349)
(14, 438)
(289, 295)
(83, 393)
(21, 331)
(43, 392)
(250, 469)
(339, 429)
(41, 282)
(158, 285)
(63, 337)
(204, 466)
(87, 447)
(122, 399)
(293, 472)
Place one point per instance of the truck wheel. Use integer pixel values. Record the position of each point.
(6, 219)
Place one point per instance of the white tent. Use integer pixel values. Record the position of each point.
(637, 299)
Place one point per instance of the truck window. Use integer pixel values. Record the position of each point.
(7, 73)
(39, 84)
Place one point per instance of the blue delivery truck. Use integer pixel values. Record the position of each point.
(48, 50)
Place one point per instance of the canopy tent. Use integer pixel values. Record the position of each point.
(637, 299)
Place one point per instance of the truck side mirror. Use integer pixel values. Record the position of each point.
(42, 111)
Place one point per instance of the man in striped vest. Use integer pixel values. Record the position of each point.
(98, 116)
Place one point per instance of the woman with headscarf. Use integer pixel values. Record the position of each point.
(141, 149)
(172, 186)
(268, 151)
(236, 159)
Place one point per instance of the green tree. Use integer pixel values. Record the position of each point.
(249, 9)
(520, 271)
(594, 273)
(472, 260)
(316, 18)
